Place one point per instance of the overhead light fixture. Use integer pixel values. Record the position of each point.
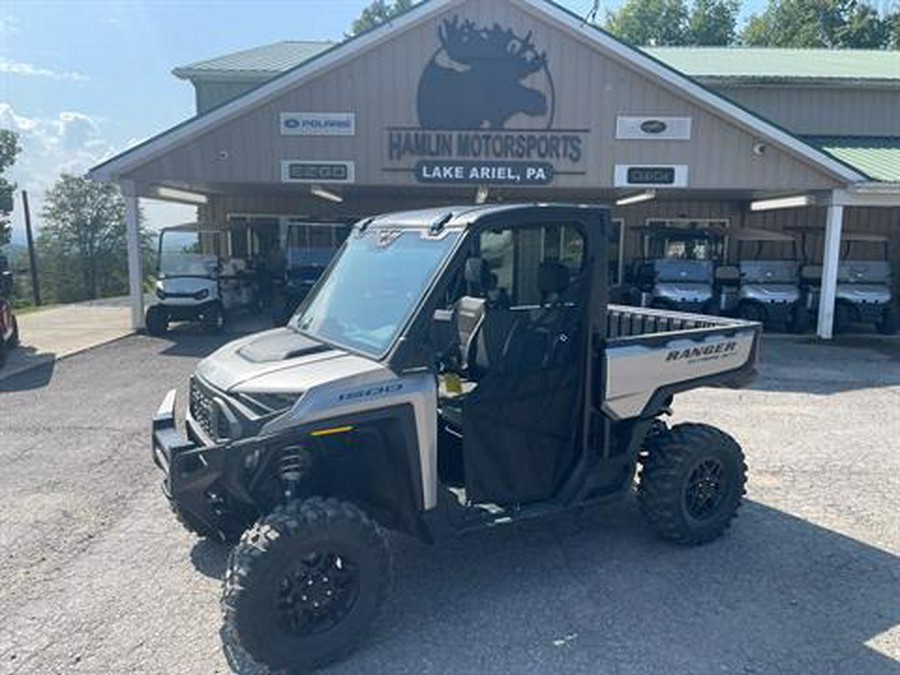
(481, 196)
(645, 196)
(181, 195)
(322, 193)
(782, 203)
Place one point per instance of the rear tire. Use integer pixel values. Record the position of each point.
(157, 320)
(14, 338)
(305, 583)
(889, 322)
(691, 483)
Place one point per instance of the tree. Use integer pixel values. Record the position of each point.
(892, 21)
(650, 22)
(713, 22)
(377, 13)
(82, 241)
(832, 24)
(9, 148)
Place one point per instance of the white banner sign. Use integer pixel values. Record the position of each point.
(317, 172)
(318, 124)
(651, 175)
(653, 128)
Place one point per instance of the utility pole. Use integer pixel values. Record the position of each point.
(32, 258)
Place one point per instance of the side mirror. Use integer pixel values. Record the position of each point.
(475, 269)
(444, 333)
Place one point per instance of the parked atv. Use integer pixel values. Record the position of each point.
(9, 326)
(767, 287)
(454, 370)
(193, 282)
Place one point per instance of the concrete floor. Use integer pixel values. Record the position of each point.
(97, 577)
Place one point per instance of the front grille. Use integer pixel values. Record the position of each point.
(201, 406)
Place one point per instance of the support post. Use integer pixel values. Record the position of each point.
(135, 264)
(32, 256)
(830, 259)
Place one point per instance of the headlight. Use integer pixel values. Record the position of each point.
(200, 295)
(269, 403)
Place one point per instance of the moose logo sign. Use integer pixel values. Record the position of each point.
(486, 106)
(477, 79)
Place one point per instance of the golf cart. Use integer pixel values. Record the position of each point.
(193, 283)
(454, 369)
(9, 327)
(767, 279)
(864, 283)
(677, 269)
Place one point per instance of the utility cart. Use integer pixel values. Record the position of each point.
(864, 285)
(455, 369)
(677, 268)
(193, 282)
(766, 279)
(9, 326)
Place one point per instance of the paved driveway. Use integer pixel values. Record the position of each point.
(96, 577)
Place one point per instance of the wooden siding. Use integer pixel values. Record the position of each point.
(380, 86)
(823, 111)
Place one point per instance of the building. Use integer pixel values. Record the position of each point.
(459, 100)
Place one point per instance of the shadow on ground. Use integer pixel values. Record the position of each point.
(26, 368)
(592, 591)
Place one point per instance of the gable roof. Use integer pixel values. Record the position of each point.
(779, 65)
(639, 60)
(259, 62)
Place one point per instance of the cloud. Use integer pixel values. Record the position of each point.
(70, 142)
(10, 67)
(9, 25)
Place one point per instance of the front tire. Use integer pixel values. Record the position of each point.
(213, 317)
(889, 322)
(691, 483)
(304, 584)
(157, 320)
(14, 338)
(799, 319)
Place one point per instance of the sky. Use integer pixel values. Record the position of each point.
(81, 80)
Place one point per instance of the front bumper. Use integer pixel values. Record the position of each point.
(195, 477)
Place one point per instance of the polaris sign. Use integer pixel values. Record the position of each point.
(318, 124)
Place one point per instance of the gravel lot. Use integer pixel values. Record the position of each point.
(97, 577)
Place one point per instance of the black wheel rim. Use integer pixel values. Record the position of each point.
(316, 595)
(705, 490)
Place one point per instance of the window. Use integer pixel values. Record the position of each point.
(514, 256)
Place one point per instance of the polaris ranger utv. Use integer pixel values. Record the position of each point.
(453, 369)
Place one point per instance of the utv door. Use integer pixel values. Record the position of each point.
(522, 421)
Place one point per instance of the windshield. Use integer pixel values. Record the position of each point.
(180, 253)
(373, 287)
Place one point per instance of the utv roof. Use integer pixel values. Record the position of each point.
(845, 235)
(752, 234)
(465, 215)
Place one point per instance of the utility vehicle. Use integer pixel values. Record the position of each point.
(454, 369)
(677, 269)
(193, 282)
(864, 284)
(9, 326)
(766, 277)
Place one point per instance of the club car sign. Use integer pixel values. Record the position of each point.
(485, 106)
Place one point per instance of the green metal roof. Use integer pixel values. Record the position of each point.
(762, 63)
(877, 157)
(261, 61)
